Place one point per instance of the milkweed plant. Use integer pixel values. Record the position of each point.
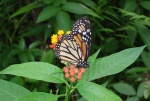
(75, 79)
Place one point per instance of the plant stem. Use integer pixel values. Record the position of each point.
(62, 95)
(68, 89)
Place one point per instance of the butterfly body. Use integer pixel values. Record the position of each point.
(75, 47)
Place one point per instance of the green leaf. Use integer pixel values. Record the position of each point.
(114, 63)
(39, 96)
(63, 21)
(143, 31)
(82, 99)
(89, 3)
(130, 5)
(63, 1)
(131, 35)
(11, 92)
(92, 58)
(95, 92)
(21, 44)
(124, 88)
(47, 1)
(146, 58)
(23, 57)
(27, 8)
(137, 70)
(134, 98)
(146, 93)
(34, 31)
(48, 56)
(110, 42)
(31, 57)
(145, 4)
(34, 44)
(47, 32)
(78, 8)
(140, 91)
(47, 13)
(57, 3)
(18, 80)
(36, 70)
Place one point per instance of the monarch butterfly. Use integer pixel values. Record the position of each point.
(75, 47)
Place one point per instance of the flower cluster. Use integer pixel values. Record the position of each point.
(56, 37)
(73, 74)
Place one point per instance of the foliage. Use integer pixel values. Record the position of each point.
(116, 25)
(90, 91)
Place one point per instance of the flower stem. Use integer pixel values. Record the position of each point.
(68, 89)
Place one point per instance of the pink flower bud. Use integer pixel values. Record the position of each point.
(72, 79)
(67, 75)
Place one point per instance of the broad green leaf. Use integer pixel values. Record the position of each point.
(27, 8)
(145, 4)
(146, 93)
(130, 5)
(39, 96)
(134, 98)
(78, 8)
(63, 21)
(143, 31)
(124, 88)
(36, 70)
(140, 91)
(95, 92)
(11, 92)
(114, 63)
(146, 58)
(47, 13)
(92, 58)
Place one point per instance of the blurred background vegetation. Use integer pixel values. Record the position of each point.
(27, 25)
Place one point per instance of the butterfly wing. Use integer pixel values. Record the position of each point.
(75, 47)
(82, 34)
(68, 50)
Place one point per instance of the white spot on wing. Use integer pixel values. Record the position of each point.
(88, 30)
(84, 33)
(79, 31)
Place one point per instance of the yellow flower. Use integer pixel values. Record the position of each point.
(54, 39)
(60, 32)
(68, 32)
